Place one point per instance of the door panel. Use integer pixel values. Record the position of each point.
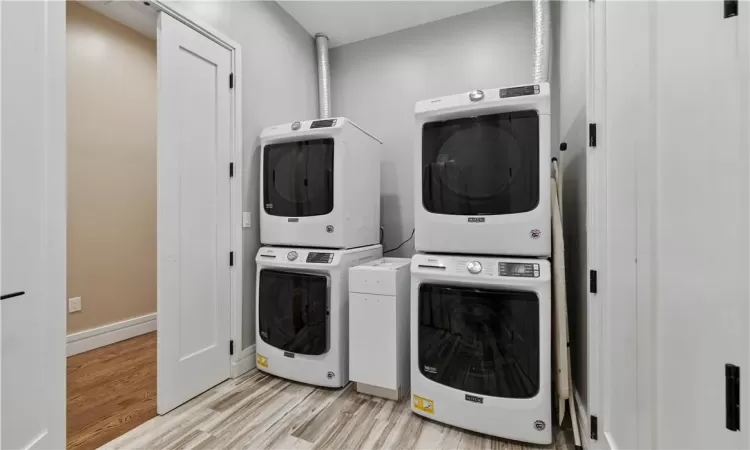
(480, 340)
(298, 178)
(293, 311)
(32, 348)
(702, 235)
(481, 165)
(193, 214)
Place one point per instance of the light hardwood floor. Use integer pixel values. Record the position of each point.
(261, 411)
(111, 390)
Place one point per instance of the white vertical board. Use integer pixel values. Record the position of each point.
(32, 325)
(193, 219)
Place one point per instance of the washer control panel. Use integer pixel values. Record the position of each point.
(522, 270)
(319, 258)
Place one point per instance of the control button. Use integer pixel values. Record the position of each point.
(291, 256)
(474, 266)
(477, 95)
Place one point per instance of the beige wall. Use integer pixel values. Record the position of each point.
(111, 170)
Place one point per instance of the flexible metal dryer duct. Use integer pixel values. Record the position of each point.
(324, 76)
(541, 40)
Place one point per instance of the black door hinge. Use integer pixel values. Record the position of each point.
(592, 281)
(592, 135)
(732, 379)
(231, 170)
(231, 81)
(231, 347)
(594, 428)
(730, 8)
(231, 258)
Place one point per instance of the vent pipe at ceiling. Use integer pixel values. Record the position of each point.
(324, 76)
(541, 40)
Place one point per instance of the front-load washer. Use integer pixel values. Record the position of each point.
(480, 344)
(482, 169)
(302, 310)
(319, 185)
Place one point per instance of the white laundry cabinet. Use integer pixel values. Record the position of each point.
(379, 327)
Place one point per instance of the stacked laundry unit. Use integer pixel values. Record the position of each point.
(320, 215)
(481, 283)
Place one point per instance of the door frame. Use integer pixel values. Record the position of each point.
(243, 359)
(599, 240)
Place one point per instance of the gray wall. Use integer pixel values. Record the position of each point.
(377, 81)
(279, 85)
(569, 71)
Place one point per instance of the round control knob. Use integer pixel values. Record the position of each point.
(291, 256)
(474, 266)
(477, 95)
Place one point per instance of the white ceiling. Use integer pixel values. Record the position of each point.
(133, 14)
(351, 21)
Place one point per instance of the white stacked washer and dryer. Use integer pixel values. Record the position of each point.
(319, 216)
(481, 283)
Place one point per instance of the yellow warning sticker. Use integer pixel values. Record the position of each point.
(423, 404)
(262, 361)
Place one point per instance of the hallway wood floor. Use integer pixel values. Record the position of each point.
(111, 390)
(257, 410)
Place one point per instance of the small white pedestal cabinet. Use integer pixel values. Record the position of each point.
(379, 327)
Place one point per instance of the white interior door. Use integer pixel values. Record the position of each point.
(193, 238)
(614, 367)
(32, 314)
(674, 309)
(702, 203)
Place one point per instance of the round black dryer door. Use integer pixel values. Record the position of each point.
(292, 311)
(298, 178)
(481, 165)
(480, 341)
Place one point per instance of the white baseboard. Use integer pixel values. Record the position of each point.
(244, 362)
(86, 340)
(583, 421)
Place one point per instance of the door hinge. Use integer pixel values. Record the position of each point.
(231, 347)
(732, 379)
(231, 258)
(231, 170)
(594, 422)
(592, 281)
(730, 8)
(231, 81)
(592, 135)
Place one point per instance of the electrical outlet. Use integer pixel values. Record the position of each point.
(74, 304)
(246, 219)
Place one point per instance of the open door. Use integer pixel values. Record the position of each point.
(32, 309)
(193, 213)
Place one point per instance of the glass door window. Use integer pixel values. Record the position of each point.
(480, 341)
(481, 165)
(293, 311)
(298, 178)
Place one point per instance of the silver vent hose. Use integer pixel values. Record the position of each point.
(324, 76)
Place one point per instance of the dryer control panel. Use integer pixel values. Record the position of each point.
(319, 258)
(523, 270)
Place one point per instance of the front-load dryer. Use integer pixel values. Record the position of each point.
(302, 310)
(480, 344)
(319, 185)
(482, 169)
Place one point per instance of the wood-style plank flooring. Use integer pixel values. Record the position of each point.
(111, 390)
(261, 411)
